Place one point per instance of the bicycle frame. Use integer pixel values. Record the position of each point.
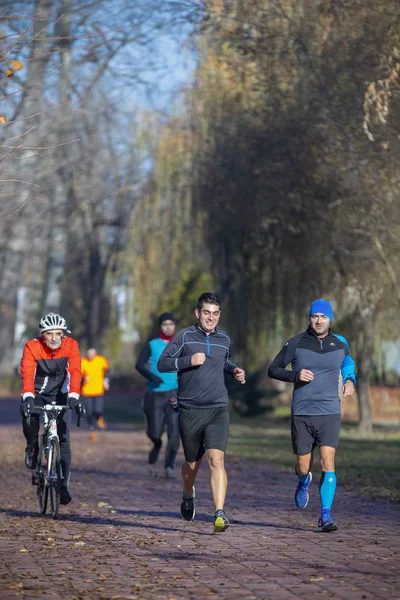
(50, 414)
(49, 473)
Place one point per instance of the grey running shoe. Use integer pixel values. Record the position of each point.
(221, 521)
(170, 473)
(188, 511)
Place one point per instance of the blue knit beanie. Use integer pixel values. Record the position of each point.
(321, 306)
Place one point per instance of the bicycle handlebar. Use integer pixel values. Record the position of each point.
(58, 408)
(49, 407)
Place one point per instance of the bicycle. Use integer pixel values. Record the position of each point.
(48, 474)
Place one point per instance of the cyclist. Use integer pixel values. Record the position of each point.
(160, 388)
(320, 360)
(94, 384)
(51, 371)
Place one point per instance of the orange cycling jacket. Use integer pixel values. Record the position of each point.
(47, 372)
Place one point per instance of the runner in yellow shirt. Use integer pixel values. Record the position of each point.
(94, 384)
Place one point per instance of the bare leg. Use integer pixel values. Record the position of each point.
(304, 463)
(189, 473)
(327, 456)
(219, 478)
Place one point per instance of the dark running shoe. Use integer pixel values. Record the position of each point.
(188, 511)
(221, 521)
(302, 496)
(154, 452)
(31, 454)
(327, 524)
(65, 496)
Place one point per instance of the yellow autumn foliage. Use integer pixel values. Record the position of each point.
(16, 65)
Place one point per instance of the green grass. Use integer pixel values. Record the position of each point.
(368, 464)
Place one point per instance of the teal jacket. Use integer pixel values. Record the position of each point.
(149, 355)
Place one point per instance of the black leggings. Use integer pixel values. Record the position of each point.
(31, 432)
(94, 409)
(158, 415)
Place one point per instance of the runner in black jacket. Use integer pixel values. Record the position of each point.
(201, 355)
(320, 361)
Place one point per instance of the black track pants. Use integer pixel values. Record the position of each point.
(158, 415)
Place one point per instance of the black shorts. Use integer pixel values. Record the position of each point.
(203, 429)
(311, 431)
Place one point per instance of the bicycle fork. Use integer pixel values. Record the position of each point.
(49, 454)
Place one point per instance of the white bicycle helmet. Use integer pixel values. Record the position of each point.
(53, 321)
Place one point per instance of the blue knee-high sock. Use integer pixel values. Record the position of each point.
(327, 487)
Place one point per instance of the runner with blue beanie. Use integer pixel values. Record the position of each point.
(320, 360)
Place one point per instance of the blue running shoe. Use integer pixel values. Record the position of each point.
(327, 524)
(302, 496)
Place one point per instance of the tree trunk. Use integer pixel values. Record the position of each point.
(19, 232)
(364, 370)
(62, 184)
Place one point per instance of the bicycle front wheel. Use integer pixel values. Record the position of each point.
(42, 489)
(54, 478)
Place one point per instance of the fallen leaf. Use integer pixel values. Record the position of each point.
(15, 586)
(76, 537)
(100, 505)
(78, 544)
(316, 579)
(24, 550)
(9, 73)
(3, 120)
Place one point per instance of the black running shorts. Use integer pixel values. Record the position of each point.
(311, 431)
(203, 429)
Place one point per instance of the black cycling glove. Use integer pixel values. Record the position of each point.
(27, 405)
(79, 409)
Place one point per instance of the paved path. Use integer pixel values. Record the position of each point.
(122, 536)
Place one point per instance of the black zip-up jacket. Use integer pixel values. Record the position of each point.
(203, 386)
(327, 358)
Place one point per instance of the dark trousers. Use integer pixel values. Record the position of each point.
(158, 415)
(94, 409)
(31, 432)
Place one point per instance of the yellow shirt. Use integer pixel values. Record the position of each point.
(93, 375)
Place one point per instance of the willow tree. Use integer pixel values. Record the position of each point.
(166, 242)
(294, 198)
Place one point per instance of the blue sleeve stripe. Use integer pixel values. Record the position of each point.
(347, 369)
(342, 339)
